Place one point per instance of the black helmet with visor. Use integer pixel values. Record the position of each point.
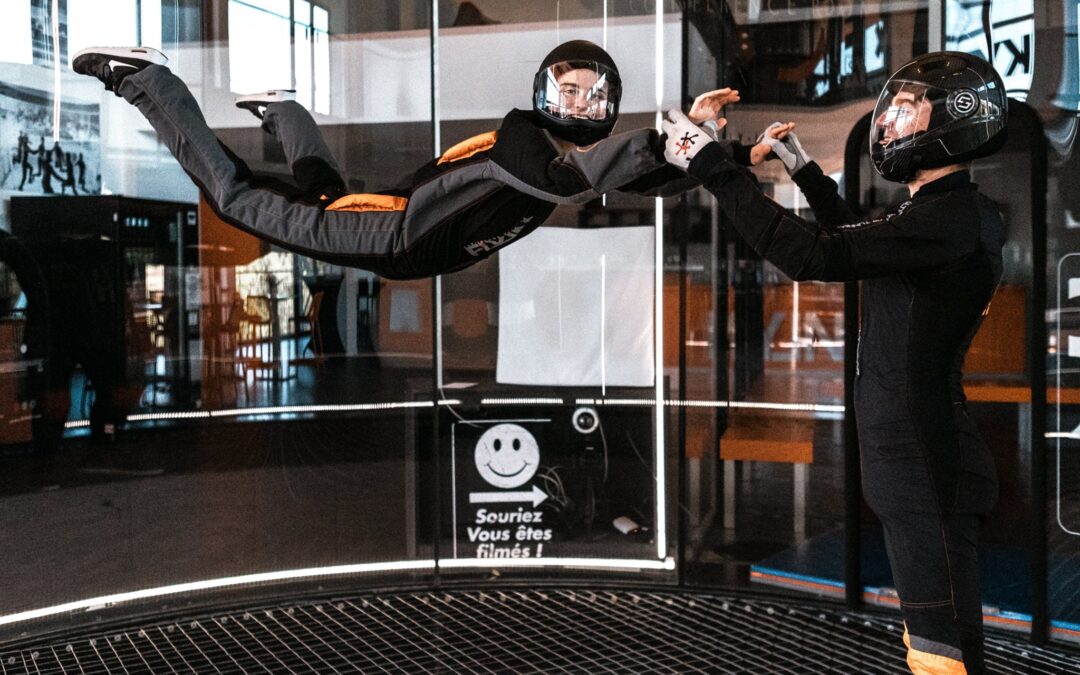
(942, 108)
(576, 92)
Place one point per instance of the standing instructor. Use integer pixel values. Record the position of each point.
(929, 267)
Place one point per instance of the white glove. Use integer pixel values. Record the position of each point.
(684, 139)
(788, 150)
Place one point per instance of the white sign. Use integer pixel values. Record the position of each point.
(500, 523)
(576, 308)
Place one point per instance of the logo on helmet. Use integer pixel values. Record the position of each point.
(962, 103)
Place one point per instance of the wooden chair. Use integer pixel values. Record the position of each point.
(311, 318)
(254, 324)
(257, 334)
(308, 322)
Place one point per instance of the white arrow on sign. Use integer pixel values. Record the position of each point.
(536, 496)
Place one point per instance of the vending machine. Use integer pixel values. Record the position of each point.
(118, 318)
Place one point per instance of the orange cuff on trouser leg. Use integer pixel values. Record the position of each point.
(926, 657)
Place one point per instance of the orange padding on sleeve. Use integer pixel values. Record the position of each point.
(924, 663)
(469, 147)
(366, 202)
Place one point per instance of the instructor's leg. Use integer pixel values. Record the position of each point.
(932, 546)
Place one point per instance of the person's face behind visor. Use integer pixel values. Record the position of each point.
(908, 113)
(579, 93)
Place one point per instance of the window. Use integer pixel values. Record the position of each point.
(874, 48)
(110, 23)
(15, 34)
(89, 26)
(312, 49)
(281, 44)
(48, 31)
(150, 19)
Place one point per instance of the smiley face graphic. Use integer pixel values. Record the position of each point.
(507, 455)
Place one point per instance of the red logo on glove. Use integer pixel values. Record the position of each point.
(685, 143)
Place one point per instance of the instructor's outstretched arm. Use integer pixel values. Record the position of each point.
(808, 251)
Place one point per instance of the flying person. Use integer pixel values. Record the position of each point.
(479, 196)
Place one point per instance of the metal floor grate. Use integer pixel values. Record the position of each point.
(535, 631)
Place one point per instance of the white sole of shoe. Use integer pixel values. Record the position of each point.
(272, 96)
(147, 54)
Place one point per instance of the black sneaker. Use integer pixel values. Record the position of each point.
(113, 64)
(256, 103)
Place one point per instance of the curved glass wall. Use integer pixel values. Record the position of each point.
(188, 408)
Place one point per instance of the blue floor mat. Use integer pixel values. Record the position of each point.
(817, 566)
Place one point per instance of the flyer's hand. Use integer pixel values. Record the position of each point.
(713, 127)
(784, 145)
(684, 139)
(710, 105)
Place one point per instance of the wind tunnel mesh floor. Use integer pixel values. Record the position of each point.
(532, 631)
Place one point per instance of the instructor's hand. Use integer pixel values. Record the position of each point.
(783, 145)
(684, 139)
(710, 105)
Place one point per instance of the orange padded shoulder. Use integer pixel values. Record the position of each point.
(469, 147)
(369, 202)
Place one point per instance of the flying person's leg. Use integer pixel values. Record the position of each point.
(306, 152)
(360, 238)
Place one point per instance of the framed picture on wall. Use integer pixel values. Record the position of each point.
(45, 150)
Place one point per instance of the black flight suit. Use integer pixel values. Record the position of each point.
(929, 266)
